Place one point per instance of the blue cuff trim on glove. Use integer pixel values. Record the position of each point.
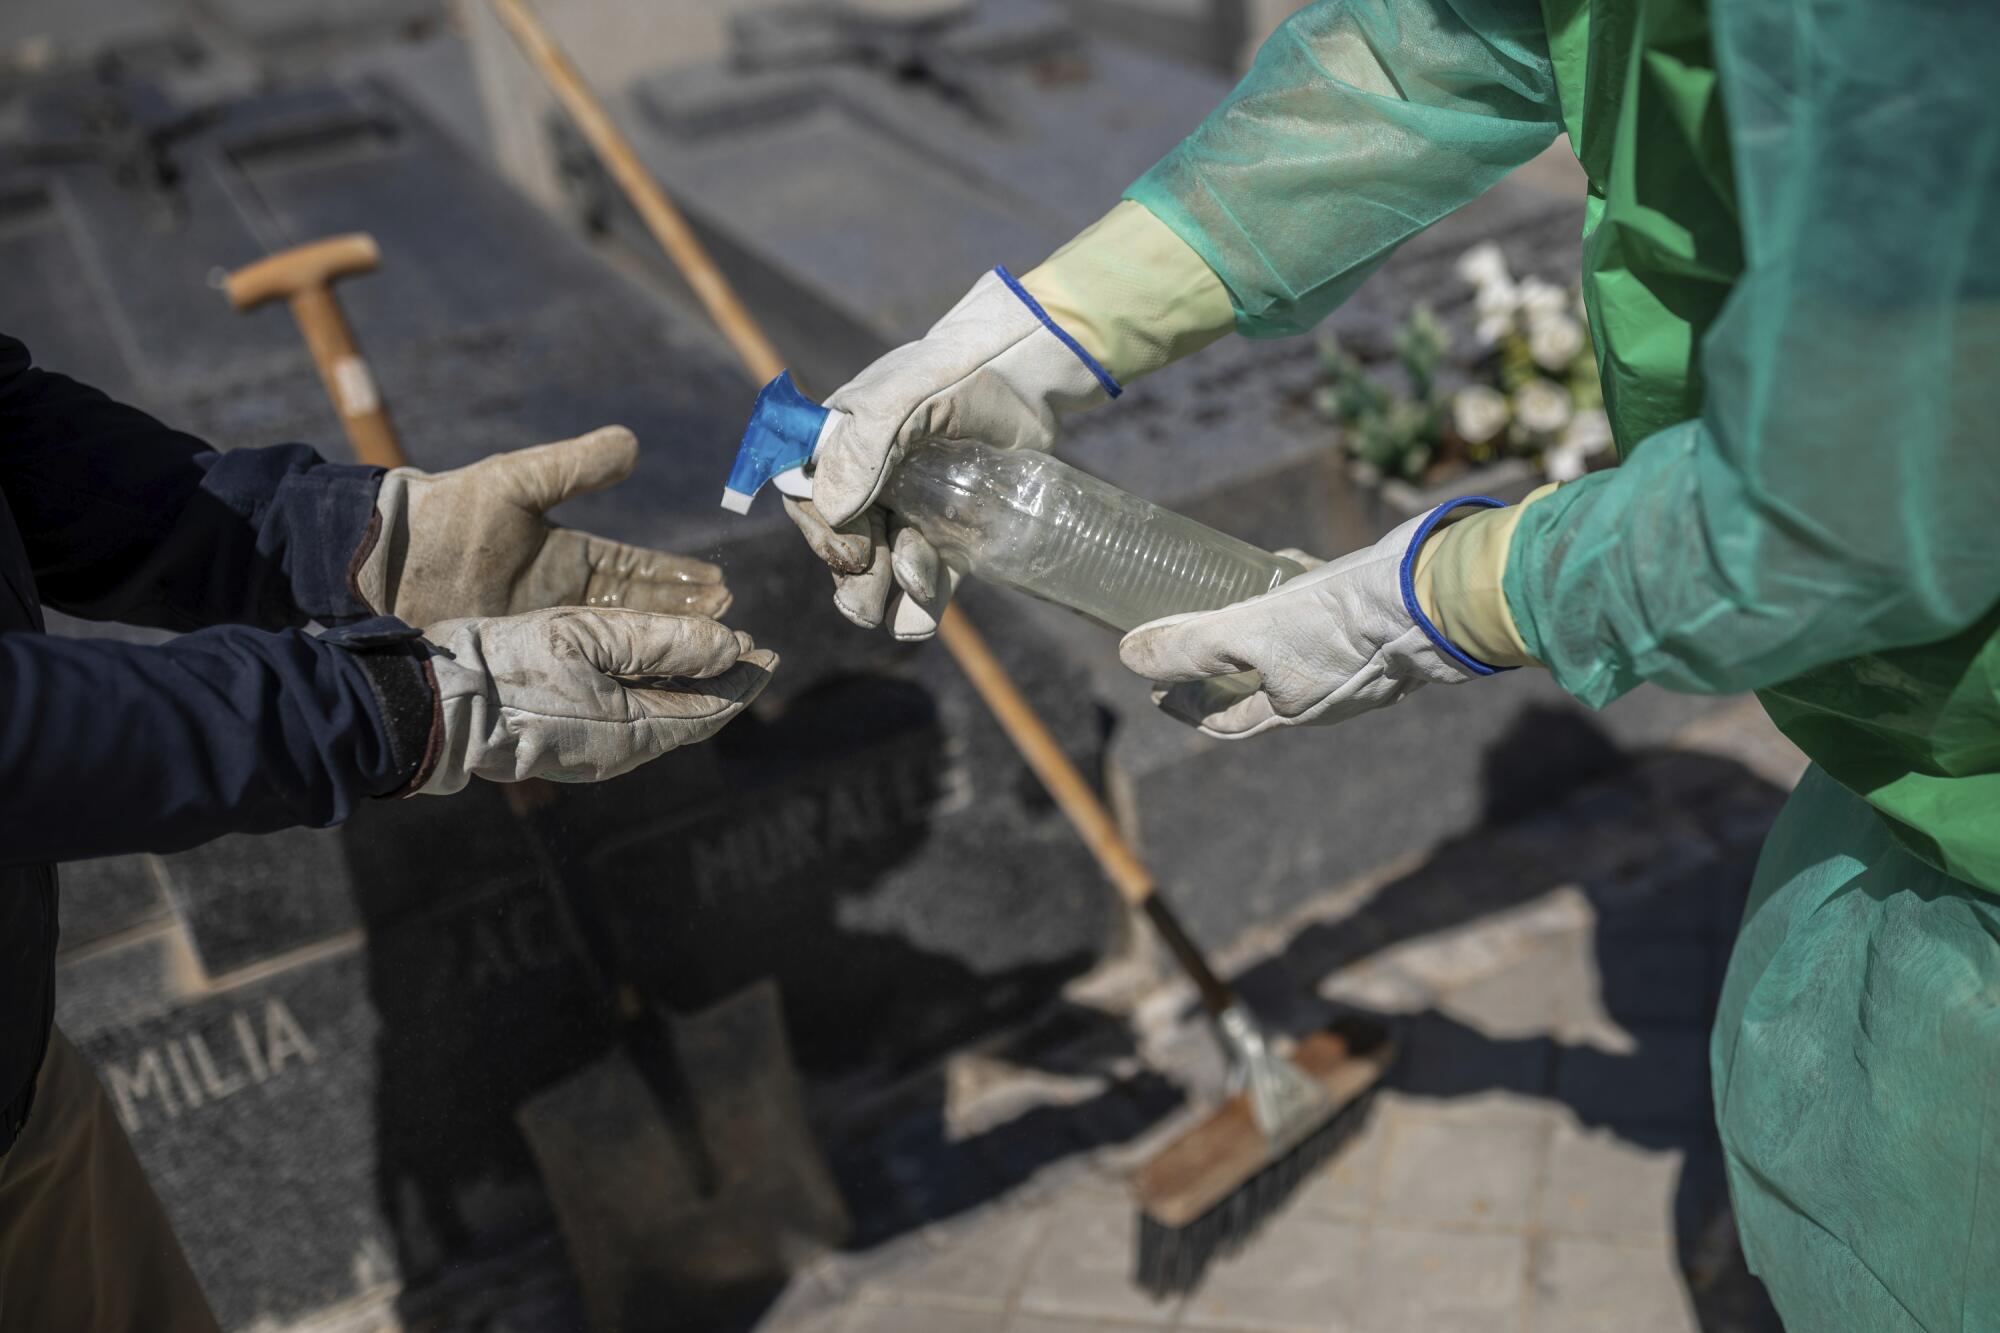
(1409, 579)
(1089, 361)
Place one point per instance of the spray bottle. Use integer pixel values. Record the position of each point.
(1024, 519)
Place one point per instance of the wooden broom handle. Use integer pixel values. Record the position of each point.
(1075, 798)
(1037, 745)
(1003, 698)
(668, 225)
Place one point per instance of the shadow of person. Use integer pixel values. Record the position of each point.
(728, 863)
(1660, 860)
(755, 856)
(1640, 836)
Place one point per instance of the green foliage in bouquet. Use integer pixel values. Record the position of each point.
(1533, 390)
(1395, 434)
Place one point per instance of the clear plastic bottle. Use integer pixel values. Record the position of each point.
(1027, 520)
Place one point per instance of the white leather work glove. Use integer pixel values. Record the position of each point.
(474, 541)
(995, 370)
(1334, 642)
(580, 695)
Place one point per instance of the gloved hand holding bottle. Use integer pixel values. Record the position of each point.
(1123, 299)
(1348, 636)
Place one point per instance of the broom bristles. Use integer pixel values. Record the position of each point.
(1172, 1260)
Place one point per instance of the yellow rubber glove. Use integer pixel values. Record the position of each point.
(1134, 294)
(1458, 575)
(1138, 297)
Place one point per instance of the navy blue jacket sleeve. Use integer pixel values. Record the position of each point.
(124, 519)
(111, 747)
(251, 726)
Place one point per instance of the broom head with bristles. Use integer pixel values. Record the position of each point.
(1209, 1190)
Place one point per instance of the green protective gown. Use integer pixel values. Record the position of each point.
(1792, 266)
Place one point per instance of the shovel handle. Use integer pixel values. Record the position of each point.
(303, 277)
(349, 382)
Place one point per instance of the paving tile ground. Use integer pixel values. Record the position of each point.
(1541, 1160)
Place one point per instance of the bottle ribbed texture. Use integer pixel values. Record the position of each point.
(1037, 524)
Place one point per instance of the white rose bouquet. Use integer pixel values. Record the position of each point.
(1530, 388)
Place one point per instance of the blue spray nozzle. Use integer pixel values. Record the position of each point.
(784, 430)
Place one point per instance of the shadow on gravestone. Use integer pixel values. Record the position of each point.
(725, 863)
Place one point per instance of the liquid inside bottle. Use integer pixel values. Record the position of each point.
(1027, 520)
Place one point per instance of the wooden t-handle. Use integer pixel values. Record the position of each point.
(304, 276)
(348, 380)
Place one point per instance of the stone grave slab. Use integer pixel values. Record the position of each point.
(277, 26)
(107, 897)
(248, 898)
(1025, 134)
(38, 35)
(346, 1124)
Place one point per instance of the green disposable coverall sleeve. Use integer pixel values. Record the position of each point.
(1840, 493)
(1837, 498)
(1359, 124)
